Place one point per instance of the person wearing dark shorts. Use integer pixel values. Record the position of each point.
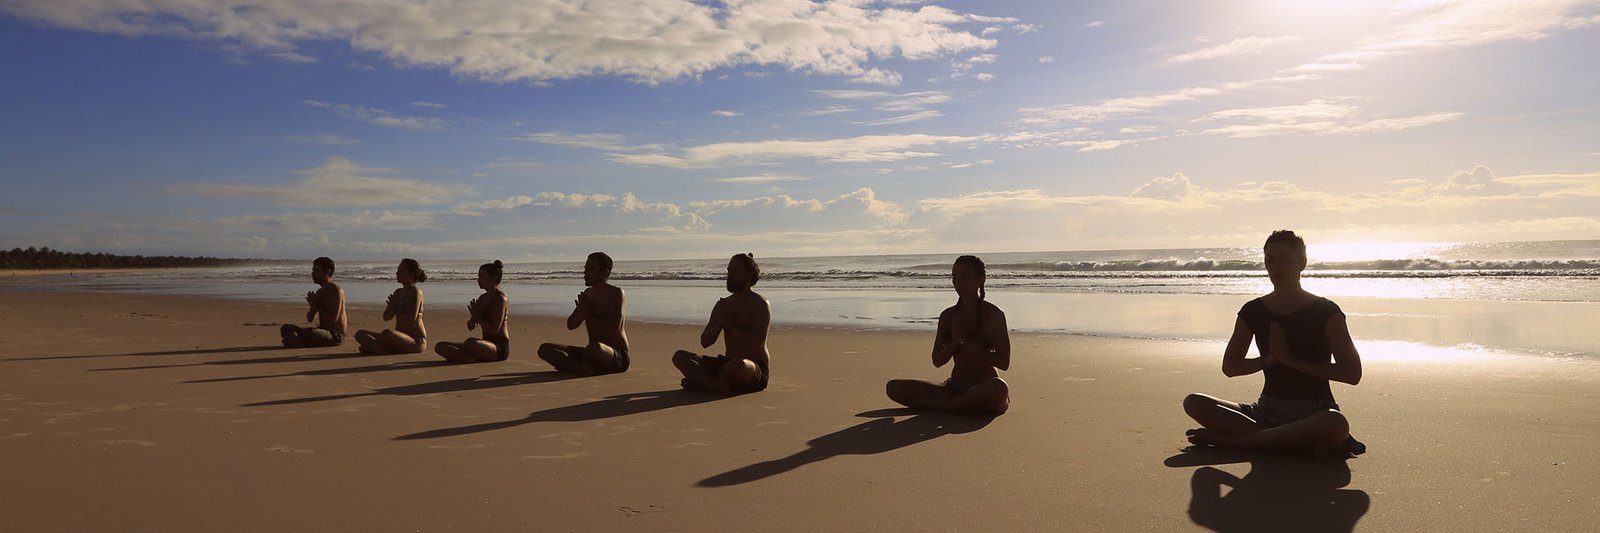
(310, 337)
(492, 311)
(713, 365)
(326, 310)
(599, 308)
(742, 320)
(1296, 334)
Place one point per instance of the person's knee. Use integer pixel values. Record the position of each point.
(1335, 423)
(736, 374)
(895, 388)
(997, 394)
(1194, 404)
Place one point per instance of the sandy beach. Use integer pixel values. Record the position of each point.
(173, 413)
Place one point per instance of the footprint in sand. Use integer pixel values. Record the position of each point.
(573, 455)
(628, 510)
(130, 441)
(287, 449)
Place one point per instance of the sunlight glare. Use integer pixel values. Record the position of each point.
(1344, 252)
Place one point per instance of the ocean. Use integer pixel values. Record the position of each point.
(1405, 300)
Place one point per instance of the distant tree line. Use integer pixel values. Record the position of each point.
(45, 258)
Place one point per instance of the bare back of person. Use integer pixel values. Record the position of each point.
(330, 308)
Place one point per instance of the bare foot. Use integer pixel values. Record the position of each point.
(1202, 437)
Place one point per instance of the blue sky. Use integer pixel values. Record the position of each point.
(538, 129)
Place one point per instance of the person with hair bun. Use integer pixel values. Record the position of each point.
(973, 334)
(745, 318)
(599, 309)
(489, 310)
(404, 307)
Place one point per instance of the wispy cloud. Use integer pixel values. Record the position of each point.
(339, 183)
(429, 105)
(326, 139)
(866, 148)
(1319, 117)
(889, 101)
(379, 117)
(1240, 46)
(761, 179)
(725, 113)
(538, 40)
(1437, 24)
(903, 119)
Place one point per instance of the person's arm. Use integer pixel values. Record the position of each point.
(943, 348)
(312, 301)
(1346, 365)
(1234, 363)
(999, 340)
(714, 325)
(579, 310)
(388, 306)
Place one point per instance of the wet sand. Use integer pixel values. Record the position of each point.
(170, 413)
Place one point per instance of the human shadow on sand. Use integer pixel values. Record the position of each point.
(297, 358)
(609, 407)
(454, 385)
(237, 349)
(399, 365)
(881, 434)
(1280, 492)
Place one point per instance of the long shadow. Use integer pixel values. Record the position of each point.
(453, 385)
(612, 406)
(402, 365)
(169, 352)
(1280, 493)
(259, 360)
(881, 434)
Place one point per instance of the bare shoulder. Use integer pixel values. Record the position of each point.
(990, 309)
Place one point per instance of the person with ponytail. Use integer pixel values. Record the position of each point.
(973, 334)
(599, 309)
(1303, 343)
(489, 310)
(404, 307)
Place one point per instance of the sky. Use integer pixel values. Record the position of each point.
(531, 130)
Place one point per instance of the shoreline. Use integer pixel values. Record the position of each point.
(1556, 330)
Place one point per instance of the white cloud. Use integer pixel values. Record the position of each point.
(1174, 187)
(325, 139)
(1240, 46)
(889, 101)
(902, 119)
(540, 40)
(1094, 24)
(865, 148)
(1044, 60)
(339, 183)
(599, 141)
(429, 105)
(723, 113)
(1438, 24)
(372, 115)
(761, 179)
(1318, 117)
